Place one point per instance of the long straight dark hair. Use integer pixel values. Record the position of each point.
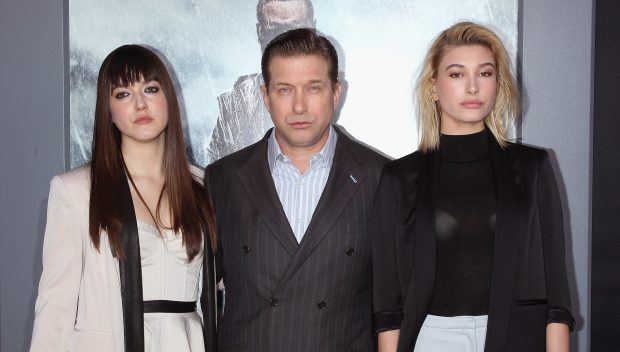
(190, 205)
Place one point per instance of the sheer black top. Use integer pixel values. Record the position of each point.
(465, 226)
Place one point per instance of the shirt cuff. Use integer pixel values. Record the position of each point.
(560, 315)
(388, 320)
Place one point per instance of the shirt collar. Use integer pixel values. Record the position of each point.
(324, 156)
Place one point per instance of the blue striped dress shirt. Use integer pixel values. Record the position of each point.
(299, 194)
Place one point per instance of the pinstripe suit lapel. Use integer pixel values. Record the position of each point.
(344, 179)
(258, 183)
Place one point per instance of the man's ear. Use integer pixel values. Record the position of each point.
(265, 93)
(337, 93)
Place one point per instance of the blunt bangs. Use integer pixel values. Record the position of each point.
(132, 64)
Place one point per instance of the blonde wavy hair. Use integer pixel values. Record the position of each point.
(507, 104)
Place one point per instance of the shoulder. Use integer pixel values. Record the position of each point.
(359, 149)
(408, 163)
(526, 150)
(77, 179)
(74, 184)
(526, 154)
(75, 176)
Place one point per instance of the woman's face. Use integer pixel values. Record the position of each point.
(140, 111)
(465, 87)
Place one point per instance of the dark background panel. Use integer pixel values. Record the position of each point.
(605, 289)
(32, 150)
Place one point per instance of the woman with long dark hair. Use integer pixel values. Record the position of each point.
(468, 242)
(130, 237)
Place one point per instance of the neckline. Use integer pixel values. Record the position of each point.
(464, 148)
(150, 228)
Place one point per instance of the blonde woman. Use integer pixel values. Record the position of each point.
(468, 243)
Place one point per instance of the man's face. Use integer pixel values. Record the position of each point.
(301, 99)
(281, 16)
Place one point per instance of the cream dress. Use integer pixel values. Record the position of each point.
(166, 275)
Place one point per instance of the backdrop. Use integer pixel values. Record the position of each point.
(213, 48)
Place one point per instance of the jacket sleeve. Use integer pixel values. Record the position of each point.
(56, 304)
(387, 300)
(552, 230)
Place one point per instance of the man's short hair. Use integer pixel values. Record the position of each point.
(300, 42)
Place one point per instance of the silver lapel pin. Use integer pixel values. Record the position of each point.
(352, 178)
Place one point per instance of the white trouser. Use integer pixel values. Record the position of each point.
(452, 334)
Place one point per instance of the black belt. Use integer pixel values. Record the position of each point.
(168, 307)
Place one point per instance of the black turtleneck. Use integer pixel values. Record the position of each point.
(465, 225)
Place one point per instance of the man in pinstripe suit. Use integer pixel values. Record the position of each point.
(292, 214)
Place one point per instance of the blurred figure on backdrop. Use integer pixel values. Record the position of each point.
(243, 118)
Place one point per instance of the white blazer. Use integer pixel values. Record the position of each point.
(79, 303)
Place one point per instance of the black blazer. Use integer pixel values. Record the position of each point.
(285, 296)
(528, 284)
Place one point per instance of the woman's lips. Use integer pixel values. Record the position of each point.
(471, 104)
(143, 120)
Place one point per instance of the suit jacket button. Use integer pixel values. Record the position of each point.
(273, 302)
(350, 251)
(245, 249)
(321, 305)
